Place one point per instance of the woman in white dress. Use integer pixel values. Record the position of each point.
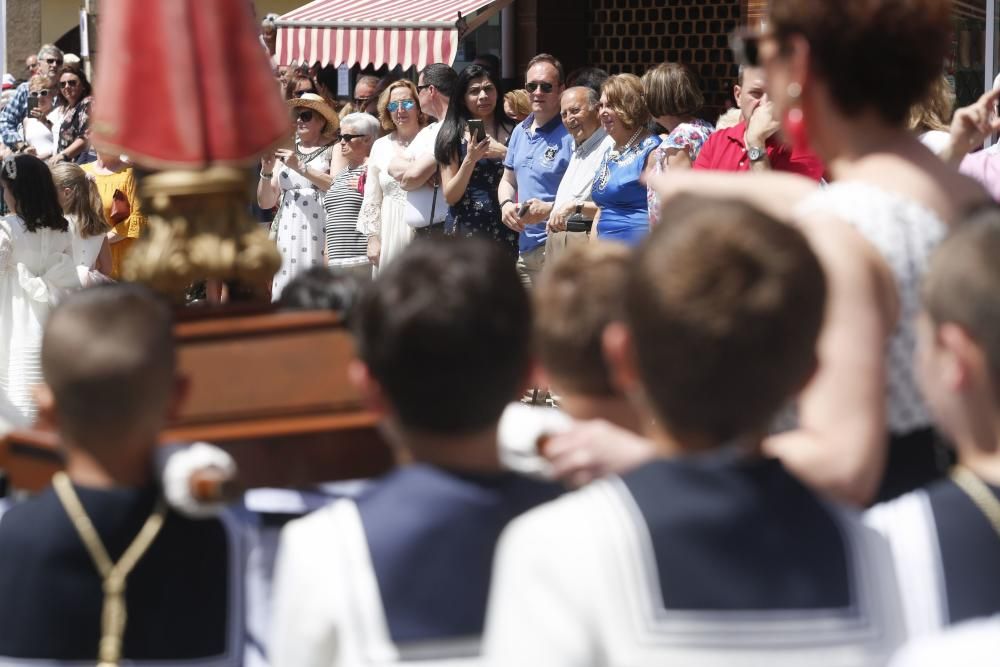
(37, 127)
(296, 180)
(388, 217)
(36, 269)
(81, 204)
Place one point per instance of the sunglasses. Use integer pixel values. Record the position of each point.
(745, 45)
(300, 93)
(407, 105)
(532, 86)
(349, 137)
(304, 116)
(361, 101)
(421, 89)
(53, 61)
(72, 83)
(39, 93)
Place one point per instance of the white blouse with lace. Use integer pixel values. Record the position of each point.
(36, 270)
(905, 233)
(386, 211)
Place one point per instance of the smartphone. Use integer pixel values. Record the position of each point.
(476, 129)
(524, 209)
(32, 104)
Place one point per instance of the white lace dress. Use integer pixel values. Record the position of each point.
(300, 221)
(36, 270)
(905, 233)
(386, 211)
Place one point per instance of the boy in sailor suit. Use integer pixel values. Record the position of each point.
(401, 573)
(709, 554)
(946, 537)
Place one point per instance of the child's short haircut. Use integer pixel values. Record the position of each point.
(962, 283)
(725, 305)
(108, 357)
(575, 299)
(445, 329)
(322, 288)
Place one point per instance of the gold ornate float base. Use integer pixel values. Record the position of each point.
(199, 229)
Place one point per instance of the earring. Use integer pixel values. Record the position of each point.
(794, 121)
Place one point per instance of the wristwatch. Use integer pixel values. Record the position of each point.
(756, 153)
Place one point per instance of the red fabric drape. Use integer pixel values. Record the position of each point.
(184, 84)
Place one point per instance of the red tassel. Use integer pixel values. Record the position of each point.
(795, 129)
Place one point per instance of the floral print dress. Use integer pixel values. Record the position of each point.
(686, 136)
(477, 213)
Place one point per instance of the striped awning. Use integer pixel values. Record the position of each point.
(379, 32)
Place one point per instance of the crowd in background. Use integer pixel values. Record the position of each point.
(772, 344)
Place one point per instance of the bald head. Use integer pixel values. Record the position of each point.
(108, 360)
(579, 112)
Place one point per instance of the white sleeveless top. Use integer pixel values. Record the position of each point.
(905, 233)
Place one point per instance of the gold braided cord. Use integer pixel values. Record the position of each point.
(113, 611)
(979, 493)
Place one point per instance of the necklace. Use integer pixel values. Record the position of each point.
(615, 156)
(979, 493)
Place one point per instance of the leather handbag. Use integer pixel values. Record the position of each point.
(121, 209)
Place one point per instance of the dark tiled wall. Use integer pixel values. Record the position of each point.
(633, 35)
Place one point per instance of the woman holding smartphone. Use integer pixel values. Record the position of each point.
(471, 146)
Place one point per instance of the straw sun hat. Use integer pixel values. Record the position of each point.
(319, 105)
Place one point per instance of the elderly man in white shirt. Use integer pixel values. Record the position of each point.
(579, 115)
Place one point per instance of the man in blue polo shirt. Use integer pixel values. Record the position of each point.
(537, 157)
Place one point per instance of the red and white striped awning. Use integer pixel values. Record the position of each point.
(379, 32)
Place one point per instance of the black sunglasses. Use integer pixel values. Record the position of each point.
(53, 61)
(421, 89)
(72, 83)
(532, 86)
(745, 45)
(305, 116)
(361, 101)
(349, 137)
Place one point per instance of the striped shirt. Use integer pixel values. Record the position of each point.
(344, 245)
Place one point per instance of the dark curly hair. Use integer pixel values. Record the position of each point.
(881, 55)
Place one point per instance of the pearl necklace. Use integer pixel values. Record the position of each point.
(615, 156)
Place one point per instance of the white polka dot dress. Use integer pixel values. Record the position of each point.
(301, 221)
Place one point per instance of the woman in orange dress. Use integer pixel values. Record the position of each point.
(111, 174)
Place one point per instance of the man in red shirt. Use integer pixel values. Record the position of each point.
(752, 145)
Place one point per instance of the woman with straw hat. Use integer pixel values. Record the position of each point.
(299, 177)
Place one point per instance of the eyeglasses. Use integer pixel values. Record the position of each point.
(39, 93)
(361, 101)
(421, 89)
(304, 116)
(349, 137)
(745, 46)
(407, 105)
(532, 86)
(53, 61)
(300, 93)
(72, 83)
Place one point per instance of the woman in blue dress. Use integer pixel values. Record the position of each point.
(618, 190)
(471, 170)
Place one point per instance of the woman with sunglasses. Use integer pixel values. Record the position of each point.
(295, 180)
(74, 119)
(388, 216)
(864, 432)
(37, 126)
(36, 269)
(346, 247)
(298, 85)
(471, 169)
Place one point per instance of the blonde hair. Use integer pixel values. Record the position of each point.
(625, 95)
(934, 111)
(39, 81)
(519, 102)
(384, 117)
(83, 201)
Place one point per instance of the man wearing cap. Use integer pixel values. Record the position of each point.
(50, 59)
(537, 157)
